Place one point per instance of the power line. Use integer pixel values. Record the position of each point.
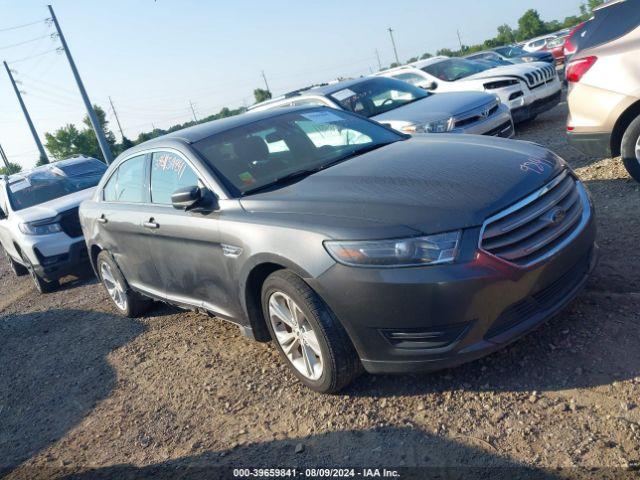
(44, 20)
(50, 35)
(57, 49)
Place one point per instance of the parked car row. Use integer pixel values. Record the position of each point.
(528, 89)
(345, 222)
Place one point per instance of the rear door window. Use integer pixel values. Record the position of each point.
(611, 23)
(169, 172)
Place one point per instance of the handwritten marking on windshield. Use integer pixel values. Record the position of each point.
(537, 165)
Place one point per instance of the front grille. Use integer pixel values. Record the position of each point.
(539, 225)
(476, 115)
(543, 300)
(541, 76)
(70, 223)
(505, 130)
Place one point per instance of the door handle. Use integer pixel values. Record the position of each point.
(151, 224)
(102, 219)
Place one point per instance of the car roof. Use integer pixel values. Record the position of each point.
(201, 131)
(607, 4)
(58, 163)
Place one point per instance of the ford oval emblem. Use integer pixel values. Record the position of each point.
(558, 215)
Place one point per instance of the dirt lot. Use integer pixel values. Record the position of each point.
(82, 388)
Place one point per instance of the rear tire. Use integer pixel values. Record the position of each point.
(316, 330)
(129, 303)
(630, 149)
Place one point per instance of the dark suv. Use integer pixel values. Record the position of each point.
(346, 242)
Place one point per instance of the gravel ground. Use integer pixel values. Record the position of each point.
(86, 392)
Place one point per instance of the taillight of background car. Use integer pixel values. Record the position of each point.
(570, 46)
(577, 68)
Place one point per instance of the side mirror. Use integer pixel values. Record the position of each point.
(2, 215)
(430, 86)
(186, 198)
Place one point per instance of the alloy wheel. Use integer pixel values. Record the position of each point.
(638, 150)
(113, 286)
(295, 335)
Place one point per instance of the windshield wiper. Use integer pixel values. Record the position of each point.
(282, 181)
(300, 174)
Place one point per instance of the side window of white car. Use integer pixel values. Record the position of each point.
(412, 78)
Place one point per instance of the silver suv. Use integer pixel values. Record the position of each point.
(39, 227)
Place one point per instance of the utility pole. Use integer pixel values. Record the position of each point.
(193, 111)
(43, 154)
(378, 57)
(97, 128)
(459, 39)
(4, 157)
(115, 114)
(264, 77)
(393, 42)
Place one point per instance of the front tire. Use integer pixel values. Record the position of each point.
(630, 149)
(129, 303)
(17, 269)
(307, 334)
(41, 284)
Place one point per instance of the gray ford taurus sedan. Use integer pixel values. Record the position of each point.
(347, 243)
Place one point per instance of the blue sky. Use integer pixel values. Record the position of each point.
(153, 57)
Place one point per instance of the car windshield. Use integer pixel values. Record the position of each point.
(454, 69)
(53, 181)
(376, 96)
(556, 42)
(510, 52)
(273, 152)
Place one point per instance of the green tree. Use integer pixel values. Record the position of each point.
(412, 59)
(530, 25)
(424, 56)
(261, 95)
(505, 36)
(10, 169)
(586, 9)
(69, 140)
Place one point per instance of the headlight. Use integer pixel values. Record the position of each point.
(406, 252)
(39, 228)
(528, 59)
(437, 126)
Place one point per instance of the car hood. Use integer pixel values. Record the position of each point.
(437, 106)
(429, 183)
(54, 207)
(516, 70)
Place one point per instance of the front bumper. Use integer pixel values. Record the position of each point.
(461, 312)
(591, 144)
(72, 262)
(541, 105)
(498, 125)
